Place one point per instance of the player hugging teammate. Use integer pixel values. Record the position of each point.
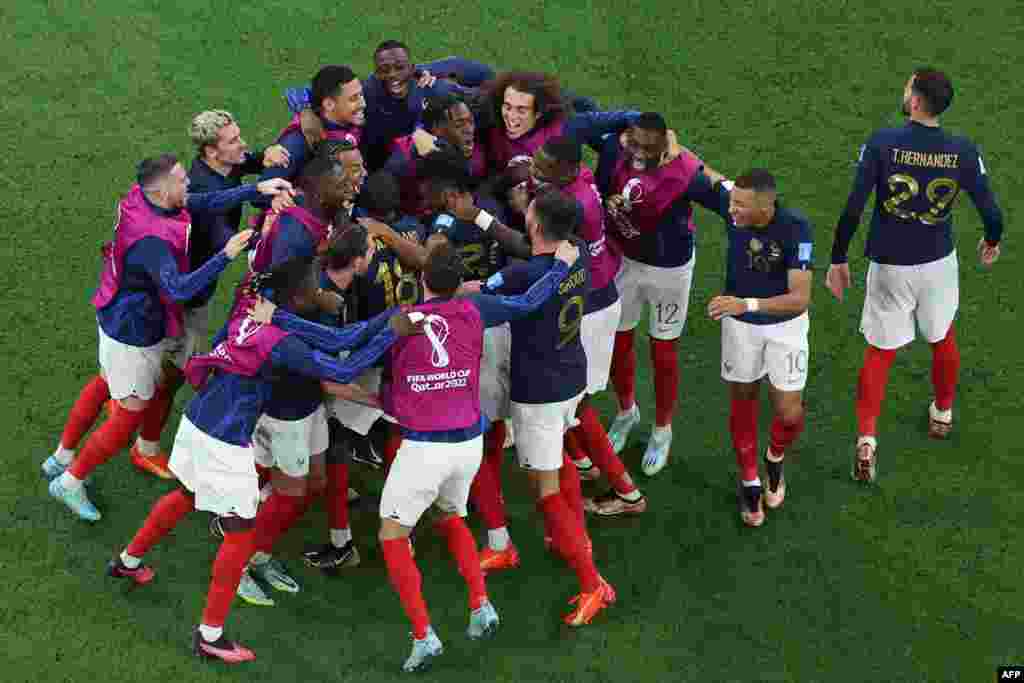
(436, 264)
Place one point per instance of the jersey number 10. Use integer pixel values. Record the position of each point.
(940, 192)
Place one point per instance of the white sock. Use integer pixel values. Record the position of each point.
(869, 440)
(662, 432)
(147, 448)
(64, 455)
(130, 561)
(211, 634)
(583, 463)
(631, 411)
(498, 539)
(341, 537)
(771, 457)
(68, 481)
(259, 558)
(753, 482)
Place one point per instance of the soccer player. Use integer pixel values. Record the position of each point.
(433, 393)
(548, 381)
(764, 328)
(292, 432)
(339, 107)
(649, 186)
(213, 455)
(450, 120)
(528, 109)
(222, 160)
(917, 172)
(144, 283)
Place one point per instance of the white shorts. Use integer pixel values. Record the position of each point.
(496, 372)
(288, 445)
(780, 351)
(597, 332)
(900, 296)
(667, 290)
(131, 370)
(539, 429)
(194, 339)
(356, 416)
(222, 476)
(425, 473)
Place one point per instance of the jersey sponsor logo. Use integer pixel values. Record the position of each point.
(804, 251)
(436, 329)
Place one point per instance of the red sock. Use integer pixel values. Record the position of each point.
(743, 426)
(462, 546)
(486, 496)
(159, 408)
(112, 436)
(164, 516)
(945, 370)
(783, 434)
(494, 454)
(601, 454)
(572, 445)
(274, 517)
(235, 551)
(85, 411)
(391, 445)
(407, 582)
(568, 537)
(665, 365)
(871, 388)
(337, 495)
(624, 369)
(569, 485)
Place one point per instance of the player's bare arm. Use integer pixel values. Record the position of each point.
(410, 254)
(512, 241)
(351, 392)
(793, 302)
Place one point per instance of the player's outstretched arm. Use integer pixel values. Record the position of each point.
(793, 302)
(162, 268)
(411, 254)
(497, 309)
(294, 354)
(322, 337)
(512, 241)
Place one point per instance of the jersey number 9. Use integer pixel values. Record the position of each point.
(940, 192)
(569, 320)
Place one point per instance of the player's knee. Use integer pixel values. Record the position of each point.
(132, 403)
(288, 485)
(391, 530)
(791, 411)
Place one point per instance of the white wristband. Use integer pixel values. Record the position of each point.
(752, 305)
(484, 220)
(728, 185)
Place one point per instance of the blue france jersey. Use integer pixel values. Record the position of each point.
(482, 255)
(548, 361)
(759, 259)
(916, 172)
(387, 282)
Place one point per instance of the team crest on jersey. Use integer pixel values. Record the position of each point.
(763, 257)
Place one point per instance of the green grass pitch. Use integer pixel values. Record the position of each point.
(916, 579)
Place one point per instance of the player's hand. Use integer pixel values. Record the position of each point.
(375, 227)
(721, 306)
(425, 79)
(674, 148)
(329, 302)
(351, 392)
(614, 203)
(262, 311)
(274, 187)
(282, 202)
(471, 287)
(312, 127)
(425, 142)
(237, 244)
(403, 326)
(988, 254)
(567, 252)
(276, 155)
(838, 279)
(463, 207)
(519, 198)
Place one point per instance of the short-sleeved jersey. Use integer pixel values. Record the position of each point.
(482, 255)
(549, 364)
(759, 259)
(917, 172)
(387, 282)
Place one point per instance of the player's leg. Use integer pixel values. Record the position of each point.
(208, 640)
(668, 292)
(787, 358)
(743, 366)
(452, 498)
(539, 448)
(938, 299)
(163, 517)
(489, 503)
(887, 323)
(340, 551)
(80, 420)
(145, 454)
(624, 498)
(132, 373)
(412, 485)
(623, 365)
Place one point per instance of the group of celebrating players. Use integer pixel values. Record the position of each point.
(434, 274)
